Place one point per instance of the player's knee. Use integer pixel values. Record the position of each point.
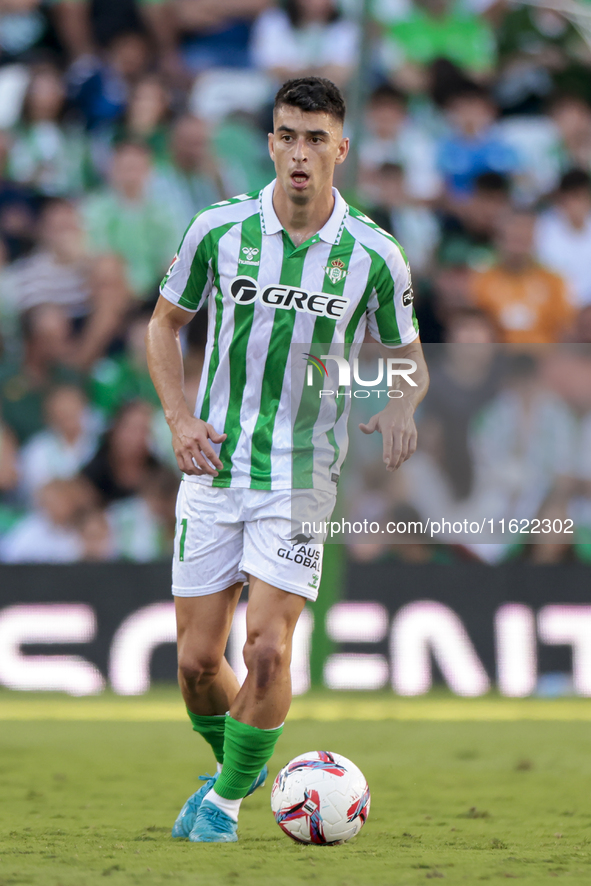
(199, 669)
(265, 659)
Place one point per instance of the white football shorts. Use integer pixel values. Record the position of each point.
(223, 535)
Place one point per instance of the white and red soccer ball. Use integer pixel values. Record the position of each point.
(320, 798)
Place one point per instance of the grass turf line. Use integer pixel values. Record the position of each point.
(85, 803)
(163, 703)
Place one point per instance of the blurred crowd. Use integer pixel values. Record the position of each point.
(504, 446)
(120, 119)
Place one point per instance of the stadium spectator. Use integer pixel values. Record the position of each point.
(99, 86)
(109, 300)
(91, 290)
(47, 153)
(125, 219)
(414, 226)
(8, 460)
(123, 459)
(528, 302)
(94, 25)
(391, 136)
(97, 541)
(581, 329)
(67, 443)
(305, 38)
(249, 169)
(572, 118)
(18, 208)
(31, 29)
(470, 326)
(143, 525)
(419, 34)
(524, 444)
(117, 379)
(533, 42)
(147, 117)
(190, 177)
(24, 383)
(50, 534)
(472, 224)
(215, 33)
(563, 235)
(57, 271)
(447, 290)
(466, 377)
(473, 146)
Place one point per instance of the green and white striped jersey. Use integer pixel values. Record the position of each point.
(266, 296)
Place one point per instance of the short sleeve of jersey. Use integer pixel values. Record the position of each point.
(391, 318)
(188, 281)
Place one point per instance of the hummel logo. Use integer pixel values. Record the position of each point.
(249, 252)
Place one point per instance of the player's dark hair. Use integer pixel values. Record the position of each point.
(574, 180)
(312, 94)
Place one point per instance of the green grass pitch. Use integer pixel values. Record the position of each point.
(91, 801)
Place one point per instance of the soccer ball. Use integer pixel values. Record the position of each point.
(320, 798)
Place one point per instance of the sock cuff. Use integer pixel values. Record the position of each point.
(247, 732)
(213, 721)
(246, 750)
(212, 729)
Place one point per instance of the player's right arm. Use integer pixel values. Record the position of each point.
(190, 436)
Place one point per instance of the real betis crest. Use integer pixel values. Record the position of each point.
(336, 271)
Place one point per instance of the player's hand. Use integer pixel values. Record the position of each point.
(397, 426)
(192, 447)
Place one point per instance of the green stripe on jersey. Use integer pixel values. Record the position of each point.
(274, 373)
(197, 280)
(303, 432)
(384, 285)
(251, 238)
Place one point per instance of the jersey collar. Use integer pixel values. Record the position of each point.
(330, 233)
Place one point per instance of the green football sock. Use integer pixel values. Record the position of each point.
(212, 729)
(246, 750)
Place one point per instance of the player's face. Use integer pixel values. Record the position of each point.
(305, 148)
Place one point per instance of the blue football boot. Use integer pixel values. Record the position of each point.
(259, 781)
(186, 817)
(212, 825)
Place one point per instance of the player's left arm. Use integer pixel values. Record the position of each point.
(392, 323)
(396, 421)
